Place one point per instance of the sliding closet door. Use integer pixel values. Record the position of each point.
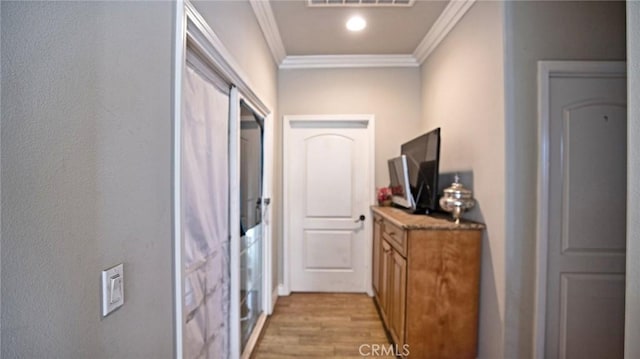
(251, 231)
(214, 242)
(205, 216)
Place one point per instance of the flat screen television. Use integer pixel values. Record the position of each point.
(400, 188)
(423, 157)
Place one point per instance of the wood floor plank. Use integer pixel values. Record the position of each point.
(321, 325)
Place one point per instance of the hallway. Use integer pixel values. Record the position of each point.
(323, 325)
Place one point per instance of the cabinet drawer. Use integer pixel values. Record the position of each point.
(396, 236)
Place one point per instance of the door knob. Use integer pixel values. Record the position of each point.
(361, 218)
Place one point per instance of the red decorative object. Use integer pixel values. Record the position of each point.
(384, 196)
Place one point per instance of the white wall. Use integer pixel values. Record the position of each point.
(540, 30)
(391, 94)
(236, 25)
(632, 328)
(86, 169)
(463, 93)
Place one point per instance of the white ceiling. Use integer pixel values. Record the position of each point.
(311, 30)
(302, 36)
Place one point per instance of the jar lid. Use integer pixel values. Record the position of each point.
(457, 190)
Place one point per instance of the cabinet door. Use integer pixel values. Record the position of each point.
(385, 264)
(397, 295)
(377, 258)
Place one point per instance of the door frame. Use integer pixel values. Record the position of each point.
(546, 71)
(369, 119)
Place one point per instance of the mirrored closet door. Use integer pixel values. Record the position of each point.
(251, 223)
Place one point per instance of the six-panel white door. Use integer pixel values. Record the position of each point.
(328, 187)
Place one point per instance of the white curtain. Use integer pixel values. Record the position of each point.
(205, 215)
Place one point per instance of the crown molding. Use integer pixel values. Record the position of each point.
(348, 61)
(360, 3)
(450, 16)
(203, 41)
(267, 22)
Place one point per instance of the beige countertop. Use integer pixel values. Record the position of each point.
(417, 221)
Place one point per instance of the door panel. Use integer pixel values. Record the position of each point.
(326, 250)
(250, 171)
(583, 298)
(587, 217)
(386, 278)
(251, 226)
(594, 141)
(328, 188)
(397, 302)
(204, 217)
(377, 256)
(329, 160)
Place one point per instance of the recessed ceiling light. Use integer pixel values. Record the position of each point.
(356, 23)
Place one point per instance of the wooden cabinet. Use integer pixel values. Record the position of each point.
(426, 274)
(377, 252)
(397, 296)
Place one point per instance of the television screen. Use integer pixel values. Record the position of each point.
(400, 188)
(423, 156)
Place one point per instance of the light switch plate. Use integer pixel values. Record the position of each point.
(112, 289)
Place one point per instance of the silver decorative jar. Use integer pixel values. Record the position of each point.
(457, 199)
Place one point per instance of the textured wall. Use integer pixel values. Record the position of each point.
(540, 30)
(86, 168)
(632, 329)
(235, 24)
(463, 92)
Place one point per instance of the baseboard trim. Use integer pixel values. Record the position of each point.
(274, 299)
(282, 291)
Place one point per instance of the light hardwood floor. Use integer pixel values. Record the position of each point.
(321, 325)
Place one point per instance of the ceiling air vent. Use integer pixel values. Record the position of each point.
(326, 3)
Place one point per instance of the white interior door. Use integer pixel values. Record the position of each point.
(328, 187)
(587, 216)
